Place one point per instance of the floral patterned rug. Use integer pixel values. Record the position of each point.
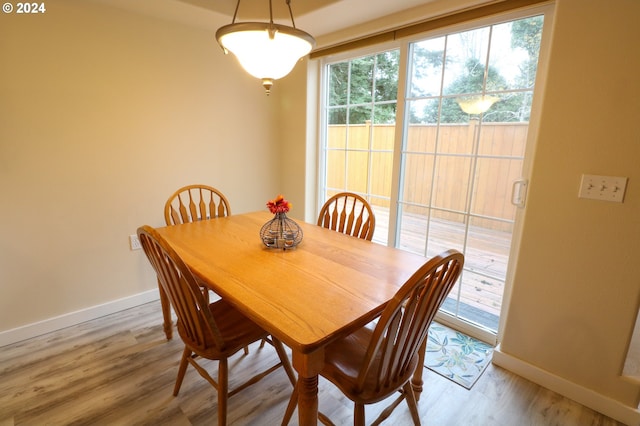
(456, 356)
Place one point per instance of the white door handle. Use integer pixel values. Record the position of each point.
(519, 192)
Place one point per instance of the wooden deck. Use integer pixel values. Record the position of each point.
(486, 251)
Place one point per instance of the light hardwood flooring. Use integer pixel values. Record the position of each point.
(120, 370)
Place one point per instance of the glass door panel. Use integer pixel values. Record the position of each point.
(467, 108)
(461, 140)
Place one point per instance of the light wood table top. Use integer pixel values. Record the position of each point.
(327, 287)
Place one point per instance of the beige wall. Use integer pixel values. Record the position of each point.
(577, 285)
(103, 114)
(291, 135)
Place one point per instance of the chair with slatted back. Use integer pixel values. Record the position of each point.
(195, 202)
(189, 204)
(214, 331)
(379, 360)
(348, 213)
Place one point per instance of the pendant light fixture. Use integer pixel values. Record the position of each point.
(265, 50)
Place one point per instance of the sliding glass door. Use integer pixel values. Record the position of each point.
(433, 134)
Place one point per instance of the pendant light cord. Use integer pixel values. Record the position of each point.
(270, 13)
(293, 23)
(233, 21)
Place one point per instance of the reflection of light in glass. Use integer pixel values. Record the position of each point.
(476, 104)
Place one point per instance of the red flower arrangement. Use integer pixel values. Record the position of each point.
(278, 205)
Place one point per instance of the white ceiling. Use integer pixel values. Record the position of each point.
(343, 13)
(317, 17)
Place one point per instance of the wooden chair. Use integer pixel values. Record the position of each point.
(195, 202)
(378, 360)
(213, 331)
(350, 214)
(188, 204)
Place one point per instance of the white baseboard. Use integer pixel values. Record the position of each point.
(587, 397)
(72, 318)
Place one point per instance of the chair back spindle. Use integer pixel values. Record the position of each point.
(195, 202)
(404, 324)
(349, 214)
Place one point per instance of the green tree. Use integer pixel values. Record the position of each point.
(363, 89)
(527, 34)
(424, 60)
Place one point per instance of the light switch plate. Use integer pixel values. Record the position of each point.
(604, 188)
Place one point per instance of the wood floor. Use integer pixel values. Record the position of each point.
(120, 370)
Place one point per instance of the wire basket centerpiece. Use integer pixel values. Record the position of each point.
(280, 232)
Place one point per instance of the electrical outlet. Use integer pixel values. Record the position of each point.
(134, 242)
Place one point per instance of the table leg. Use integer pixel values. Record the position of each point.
(416, 380)
(166, 313)
(308, 367)
(308, 401)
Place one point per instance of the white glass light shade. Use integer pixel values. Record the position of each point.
(477, 105)
(266, 51)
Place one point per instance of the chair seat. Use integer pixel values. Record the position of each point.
(343, 361)
(236, 330)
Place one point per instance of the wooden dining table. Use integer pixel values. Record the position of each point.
(328, 286)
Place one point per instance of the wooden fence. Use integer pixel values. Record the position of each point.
(360, 159)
